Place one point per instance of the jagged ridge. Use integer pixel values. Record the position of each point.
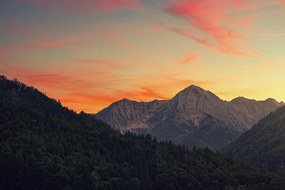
(194, 117)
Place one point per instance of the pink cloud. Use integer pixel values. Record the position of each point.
(205, 15)
(76, 90)
(210, 18)
(226, 48)
(89, 5)
(188, 59)
(242, 4)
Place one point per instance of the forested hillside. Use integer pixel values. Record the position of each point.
(46, 146)
(264, 144)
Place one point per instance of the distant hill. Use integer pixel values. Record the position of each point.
(46, 146)
(194, 117)
(264, 144)
(19, 94)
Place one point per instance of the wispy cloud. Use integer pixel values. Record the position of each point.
(188, 59)
(141, 93)
(210, 18)
(50, 78)
(95, 101)
(91, 89)
(226, 48)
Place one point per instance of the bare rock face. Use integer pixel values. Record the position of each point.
(128, 115)
(194, 117)
(248, 110)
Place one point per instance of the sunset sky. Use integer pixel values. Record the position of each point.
(90, 53)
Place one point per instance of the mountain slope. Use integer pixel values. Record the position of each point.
(264, 144)
(194, 117)
(129, 115)
(43, 150)
(251, 109)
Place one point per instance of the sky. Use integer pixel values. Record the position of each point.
(90, 53)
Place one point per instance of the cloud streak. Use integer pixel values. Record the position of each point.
(189, 58)
(91, 89)
(50, 78)
(210, 18)
(225, 48)
(82, 88)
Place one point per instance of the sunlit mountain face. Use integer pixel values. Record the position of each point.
(194, 117)
(90, 53)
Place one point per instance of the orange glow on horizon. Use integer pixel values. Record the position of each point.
(89, 54)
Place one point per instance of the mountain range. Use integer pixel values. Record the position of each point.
(264, 144)
(193, 117)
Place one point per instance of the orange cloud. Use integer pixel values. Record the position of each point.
(91, 88)
(210, 18)
(80, 88)
(60, 83)
(94, 102)
(49, 78)
(139, 94)
(188, 59)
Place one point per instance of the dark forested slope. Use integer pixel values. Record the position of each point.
(46, 146)
(264, 144)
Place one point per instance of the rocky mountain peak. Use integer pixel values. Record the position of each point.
(238, 99)
(196, 99)
(195, 92)
(125, 101)
(271, 100)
